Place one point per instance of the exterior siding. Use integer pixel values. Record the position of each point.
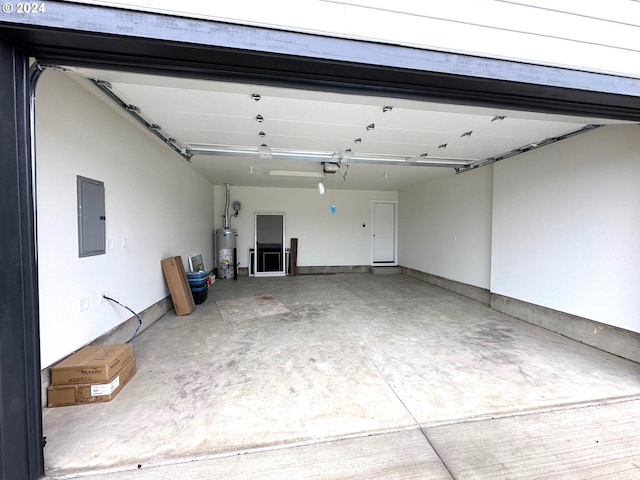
(591, 36)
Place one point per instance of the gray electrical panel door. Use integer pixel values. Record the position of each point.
(91, 217)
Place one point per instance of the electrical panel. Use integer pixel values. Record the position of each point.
(91, 217)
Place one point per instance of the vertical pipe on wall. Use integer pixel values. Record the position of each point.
(226, 206)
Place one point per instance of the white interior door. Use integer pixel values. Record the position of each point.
(384, 233)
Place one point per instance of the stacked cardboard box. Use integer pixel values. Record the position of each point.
(92, 374)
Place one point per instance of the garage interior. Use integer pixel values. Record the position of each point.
(327, 365)
(506, 347)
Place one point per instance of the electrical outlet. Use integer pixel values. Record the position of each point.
(104, 293)
(84, 304)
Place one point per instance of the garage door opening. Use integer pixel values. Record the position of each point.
(60, 47)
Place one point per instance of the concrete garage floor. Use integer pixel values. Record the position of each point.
(354, 376)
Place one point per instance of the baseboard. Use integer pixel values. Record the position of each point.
(319, 270)
(476, 293)
(117, 335)
(618, 341)
(330, 270)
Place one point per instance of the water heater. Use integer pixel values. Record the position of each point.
(226, 243)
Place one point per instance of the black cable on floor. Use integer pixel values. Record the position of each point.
(133, 337)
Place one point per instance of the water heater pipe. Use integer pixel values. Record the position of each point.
(226, 207)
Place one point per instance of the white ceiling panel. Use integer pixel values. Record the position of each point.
(218, 113)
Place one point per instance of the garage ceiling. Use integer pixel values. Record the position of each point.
(386, 142)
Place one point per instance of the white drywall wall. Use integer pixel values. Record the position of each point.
(566, 226)
(591, 36)
(324, 238)
(153, 199)
(445, 227)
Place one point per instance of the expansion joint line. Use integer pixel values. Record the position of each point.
(415, 420)
(382, 375)
(409, 412)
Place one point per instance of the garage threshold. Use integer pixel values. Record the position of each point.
(359, 376)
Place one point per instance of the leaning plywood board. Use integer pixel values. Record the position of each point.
(179, 288)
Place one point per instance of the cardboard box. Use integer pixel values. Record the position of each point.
(65, 395)
(91, 364)
(176, 277)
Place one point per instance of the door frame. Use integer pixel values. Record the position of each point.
(283, 271)
(21, 432)
(394, 263)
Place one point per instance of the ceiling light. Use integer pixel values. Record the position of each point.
(387, 108)
(467, 134)
(294, 173)
(498, 118)
(259, 118)
(256, 96)
(424, 155)
(357, 140)
(321, 188)
(371, 126)
(444, 145)
(347, 154)
(262, 134)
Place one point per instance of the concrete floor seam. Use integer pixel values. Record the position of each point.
(231, 454)
(385, 379)
(438, 454)
(420, 428)
(535, 411)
